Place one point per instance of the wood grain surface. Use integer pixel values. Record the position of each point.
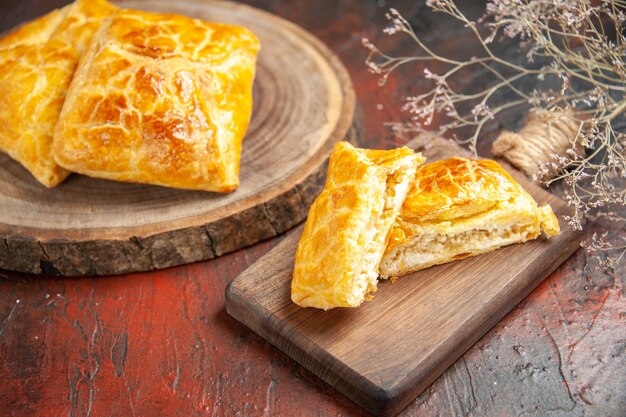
(386, 352)
(160, 343)
(303, 103)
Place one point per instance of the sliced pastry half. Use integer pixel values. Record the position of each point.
(161, 99)
(37, 63)
(458, 208)
(346, 231)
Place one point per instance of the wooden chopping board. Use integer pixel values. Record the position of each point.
(383, 354)
(303, 103)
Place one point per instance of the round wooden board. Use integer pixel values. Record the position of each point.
(303, 103)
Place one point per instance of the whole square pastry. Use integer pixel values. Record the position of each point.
(37, 63)
(160, 99)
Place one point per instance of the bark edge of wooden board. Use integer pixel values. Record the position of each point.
(95, 227)
(383, 354)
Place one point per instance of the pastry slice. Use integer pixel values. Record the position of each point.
(160, 99)
(458, 208)
(37, 62)
(346, 231)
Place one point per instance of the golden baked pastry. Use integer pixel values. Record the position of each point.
(346, 231)
(160, 99)
(458, 208)
(82, 19)
(37, 62)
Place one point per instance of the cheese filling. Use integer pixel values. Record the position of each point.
(397, 187)
(433, 249)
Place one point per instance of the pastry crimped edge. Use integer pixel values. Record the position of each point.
(491, 211)
(344, 237)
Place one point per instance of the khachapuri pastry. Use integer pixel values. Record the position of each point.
(37, 62)
(458, 208)
(160, 99)
(346, 230)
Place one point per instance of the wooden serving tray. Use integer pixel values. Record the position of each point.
(383, 354)
(303, 103)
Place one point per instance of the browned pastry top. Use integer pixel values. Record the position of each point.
(457, 187)
(161, 99)
(37, 62)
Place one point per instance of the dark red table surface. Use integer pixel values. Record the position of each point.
(161, 343)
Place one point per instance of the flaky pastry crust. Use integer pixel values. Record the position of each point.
(346, 231)
(160, 99)
(458, 208)
(37, 62)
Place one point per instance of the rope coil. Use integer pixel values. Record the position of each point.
(544, 134)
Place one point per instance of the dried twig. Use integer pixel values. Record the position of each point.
(581, 48)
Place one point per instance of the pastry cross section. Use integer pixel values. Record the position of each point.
(458, 208)
(346, 231)
(160, 99)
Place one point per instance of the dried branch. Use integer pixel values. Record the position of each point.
(581, 49)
